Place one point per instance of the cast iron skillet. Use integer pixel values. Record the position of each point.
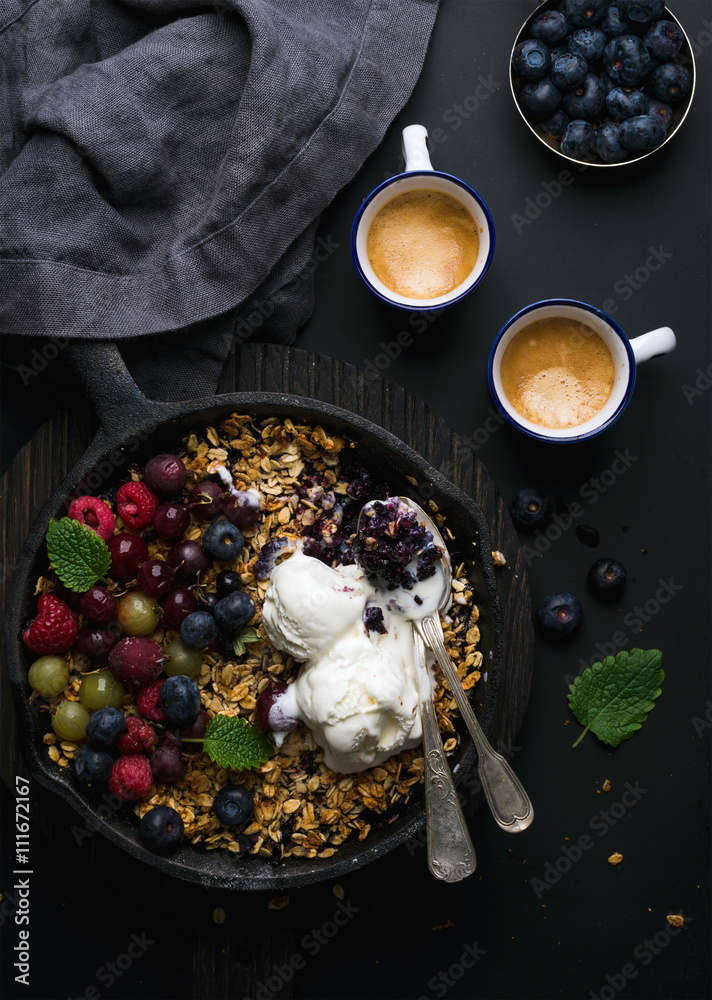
(131, 429)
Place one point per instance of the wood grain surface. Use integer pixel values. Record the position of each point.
(223, 964)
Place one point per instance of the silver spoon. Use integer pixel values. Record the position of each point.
(510, 805)
(451, 855)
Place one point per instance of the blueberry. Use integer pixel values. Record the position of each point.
(233, 805)
(606, 579)
(662, 111)
(234, 611)
(624, 102)
(227, 582)
(531, 60)
(569, 71)
(198, 630)
(180, 700)
(531, 508)
(161, 829)
(626, 60)
(556, 125)
(613, 25)
(585, 12)
(578, 139)
(559, 615)
(588, 43)
(222, 541)
(92, 767)
(641, 11)
(105, 727)
(643, 132)
(663, 40)
(608, 144)
(539, 99)
(586, 101)
(670, 83)
(550, 27)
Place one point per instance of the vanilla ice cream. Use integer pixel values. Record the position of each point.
(357, 690)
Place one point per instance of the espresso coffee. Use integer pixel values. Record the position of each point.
(557, 372)
(423, 244)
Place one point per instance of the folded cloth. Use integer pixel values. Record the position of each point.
(163, 163)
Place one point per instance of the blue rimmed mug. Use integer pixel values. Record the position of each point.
(626, 354)
(420, 175)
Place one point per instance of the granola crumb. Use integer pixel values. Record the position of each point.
(615, 859)
(675, 919)
(498, 558)
(338, 891)
(443, 927)
(219, 915)
(606, 786)
(278, 902)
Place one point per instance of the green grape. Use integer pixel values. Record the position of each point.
(48, 675)
(182, 660)
(70, 721)
(101, 691)
(135, 613)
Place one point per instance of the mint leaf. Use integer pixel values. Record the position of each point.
(613, 698)
(240, 640)
(232, 742)
(77, 554)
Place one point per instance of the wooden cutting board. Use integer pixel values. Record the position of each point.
(59, 444)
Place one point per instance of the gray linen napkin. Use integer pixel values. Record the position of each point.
(164, 163)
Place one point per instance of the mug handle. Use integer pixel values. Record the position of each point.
(415, 148)
(653, 344)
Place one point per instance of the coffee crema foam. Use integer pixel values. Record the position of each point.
(557, 372)
(423, 244)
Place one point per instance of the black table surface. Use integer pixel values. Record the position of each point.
(546, 914)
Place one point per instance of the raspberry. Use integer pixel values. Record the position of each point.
(131, 777)
(53, 630)
(148, 704)
(139, 736)
(136, 504)
(95, 513)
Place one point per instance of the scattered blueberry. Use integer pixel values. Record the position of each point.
(578, 139)
(222, 541)
(550, 27)
(556, 125)
(659, 110)
(233, 805)
(624, 102)
(643, 132)
(234, 611)
(608, 144)
(588, 43)
(585, 12)
(531, 509)
(539, 99)
(663, 40)
(161, 829)
(606, 579)
(641, 11)
(586, 101)
(198, 630)
(180, 700)
(531, 60)
(559, 615)
(104, 728)
(588, 536)
(92, 767)
(227, 582)
(626, 60)
(613, 25)
(569, 71)
(670, 83)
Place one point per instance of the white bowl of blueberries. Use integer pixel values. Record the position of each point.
(603, 82)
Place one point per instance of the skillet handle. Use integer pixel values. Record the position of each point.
(118, 402)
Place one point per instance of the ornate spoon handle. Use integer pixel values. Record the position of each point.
(451, 856)
(511, 806)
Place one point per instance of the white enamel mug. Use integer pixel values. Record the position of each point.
(626, 354)
(418, 175)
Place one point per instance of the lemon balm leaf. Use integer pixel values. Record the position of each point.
(233, 743)
(246, 636)
(612, 699)
(77, 554)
